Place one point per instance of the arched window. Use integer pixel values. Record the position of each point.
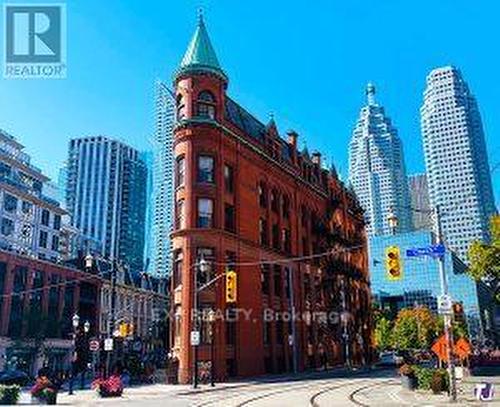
(181, 111)
(206, 105)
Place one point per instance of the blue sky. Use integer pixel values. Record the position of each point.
(307, 62)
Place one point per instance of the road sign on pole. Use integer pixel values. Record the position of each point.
(434, 250)
(108, 344)
(445, 304)
(195, 338)
(94, 345)
(440, 348)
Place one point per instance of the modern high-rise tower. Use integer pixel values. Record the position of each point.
(377, 170)
(419, 197)
(163, 184)
(456, 159)
(106, 197)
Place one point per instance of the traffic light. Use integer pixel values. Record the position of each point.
(231, 286)
(393, 263)
(123, 329)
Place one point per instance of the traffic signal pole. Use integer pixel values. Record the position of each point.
(448, 330)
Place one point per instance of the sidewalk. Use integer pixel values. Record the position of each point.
(465, 396)
(153, 391)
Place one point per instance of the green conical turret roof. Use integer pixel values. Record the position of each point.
(200, 55)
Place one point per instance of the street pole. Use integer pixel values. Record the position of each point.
(111, 325)
(345, 327)
(212, 350)
(195, 315)
(448, 331)
(294, 329)
(72, 372)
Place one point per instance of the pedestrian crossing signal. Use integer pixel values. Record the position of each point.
(231, 286)
(393, 266)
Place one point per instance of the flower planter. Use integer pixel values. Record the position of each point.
(111, 387)
(409, 382)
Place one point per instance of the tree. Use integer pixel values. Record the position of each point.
(484, 259)
(383, 333)
(414, 328)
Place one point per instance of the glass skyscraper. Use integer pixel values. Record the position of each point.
(420, 283)
(377, 170)
(163, 185)
(106, 197)
(456, 159)
(419, 198)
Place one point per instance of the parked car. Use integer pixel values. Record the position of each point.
(10, 377)
(390, 358)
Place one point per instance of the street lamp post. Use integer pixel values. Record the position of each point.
(86, 330)
(211, 319)
(88, 263)
(448, 331)
(202, 267)
(76, 323)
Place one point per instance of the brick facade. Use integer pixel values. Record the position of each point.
(270, 203)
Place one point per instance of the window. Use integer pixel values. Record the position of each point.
(206, 105)
(208, 254)
(230, 260)
(231, 319)
(10, 203)
(7, 227)
(262, 195)
(304, 217)
(286, 207)
(42, 242)
(274, 201)
(57, 222)
(178, 259)
(206, 328)
(263, 232)
(178, 325)
(205, 168)
(180, 220)
(267, 327)
(27, 207)
(264, 278)
(45, 217)
(205, 213)
(276, 236)
(181, 111)
(180, 171)
(286, 241)
(228, 179)
(277, 280)
(55, 243)
(229, 218)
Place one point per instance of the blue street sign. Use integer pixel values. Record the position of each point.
(432, 250)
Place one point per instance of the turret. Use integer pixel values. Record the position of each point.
(200, 82)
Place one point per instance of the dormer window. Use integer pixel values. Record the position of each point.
(181, 109)
(206, 105)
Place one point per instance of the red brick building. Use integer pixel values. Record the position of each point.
(249, 201)
(38, 300)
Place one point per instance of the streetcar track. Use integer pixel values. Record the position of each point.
(274, 385)
(353, 394)
(312, 399)
(263, 396)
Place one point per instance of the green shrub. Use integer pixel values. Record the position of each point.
(9, 394)
(424, 377)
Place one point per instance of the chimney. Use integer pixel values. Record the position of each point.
(292, 138)
(316, 158)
